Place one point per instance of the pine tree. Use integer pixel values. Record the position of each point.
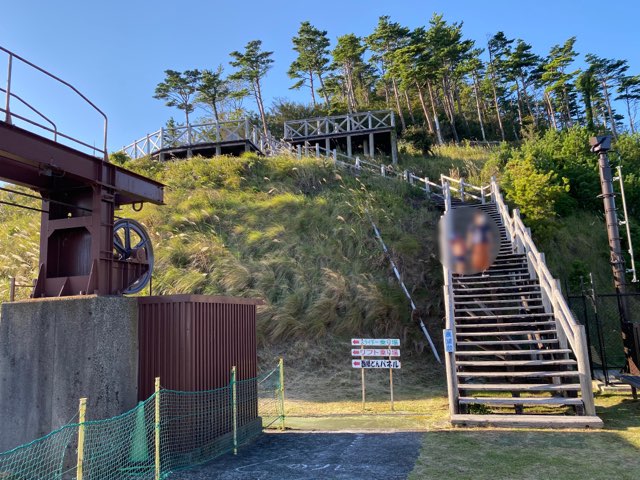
(348, 60)
(559, 81)
(312, 47)
(213, 90)
(586, 85)
(386, 38)
(629, 92)
(498, 47)
(521, 65)
(252, 66)
(607, 72)
(178, 89)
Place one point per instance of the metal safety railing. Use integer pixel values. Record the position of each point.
(10, 115)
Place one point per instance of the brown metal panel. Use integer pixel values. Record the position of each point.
(192, 341)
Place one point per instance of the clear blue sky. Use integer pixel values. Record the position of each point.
(116, 51)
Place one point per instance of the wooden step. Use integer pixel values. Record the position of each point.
(510, 333)
(520, 315)
(506, 342)
(536, 294)
(474, 353)
(526, 421)
(520, 387)
(501, 309)
(461, 288)
(514, 363)
(474, 299)
(520, 401)
(501, 325)
(520, 374)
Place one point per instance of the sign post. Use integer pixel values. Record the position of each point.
(368, 347)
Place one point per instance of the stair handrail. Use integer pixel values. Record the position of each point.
(568, 328)
(450, 324)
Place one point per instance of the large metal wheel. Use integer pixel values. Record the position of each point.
(131, 242)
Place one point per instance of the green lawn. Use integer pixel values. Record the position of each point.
(488, 453)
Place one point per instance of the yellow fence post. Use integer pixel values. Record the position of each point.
(281, 367)
(157, 429)
(82, 411)
(234, 403)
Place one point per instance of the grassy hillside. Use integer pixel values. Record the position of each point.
(294, 233)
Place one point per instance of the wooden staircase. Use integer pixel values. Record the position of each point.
(514, 363)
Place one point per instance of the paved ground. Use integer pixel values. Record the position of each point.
(311, 456)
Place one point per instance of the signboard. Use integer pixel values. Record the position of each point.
(375, 364)
(375, 342)
(449, 344)
(375, 352)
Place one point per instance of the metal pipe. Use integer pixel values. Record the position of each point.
(35, 110)
(8, 90)
(626, 224)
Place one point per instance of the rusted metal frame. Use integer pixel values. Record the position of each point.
(36, 197)
(58, 79)
(30, 149)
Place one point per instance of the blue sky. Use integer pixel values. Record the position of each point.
(116, 51)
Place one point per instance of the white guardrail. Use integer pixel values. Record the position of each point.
(570, 332)
(203, 133)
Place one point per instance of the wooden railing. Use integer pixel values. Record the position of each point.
(570, 332)
(351, 123)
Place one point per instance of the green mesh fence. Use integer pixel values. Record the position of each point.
(194, 427)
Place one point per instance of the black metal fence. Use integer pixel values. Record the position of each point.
(601, 315)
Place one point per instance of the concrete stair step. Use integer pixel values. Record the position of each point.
(526, 421)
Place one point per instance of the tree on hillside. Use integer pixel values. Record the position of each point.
(449, 52)
(608, 73)
(521, 65)
(387, 37)
(588, 88)
(213, 90)
(179, 90)
(252, 66)
(498, 48)
(474, 67)
(312, 47)
(348, 60)
(629, 92)
(558, 81)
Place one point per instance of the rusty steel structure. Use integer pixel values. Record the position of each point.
(192, 341)
(601, 146)
(80, 194)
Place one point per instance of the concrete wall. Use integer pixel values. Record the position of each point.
(54, 351)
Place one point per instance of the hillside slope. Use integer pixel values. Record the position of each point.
(294, 233)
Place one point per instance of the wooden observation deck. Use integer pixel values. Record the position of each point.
(206, 139)
(366, 133)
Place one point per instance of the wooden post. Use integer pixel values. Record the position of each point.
(299, 151)
(583, 367)
(12, 289)
(317, 150)
(364, 391)
(372, 148)
(327, 146)
(82, 412)
(234, 401)
(158, 469)
(281, 368)
(349, 146)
